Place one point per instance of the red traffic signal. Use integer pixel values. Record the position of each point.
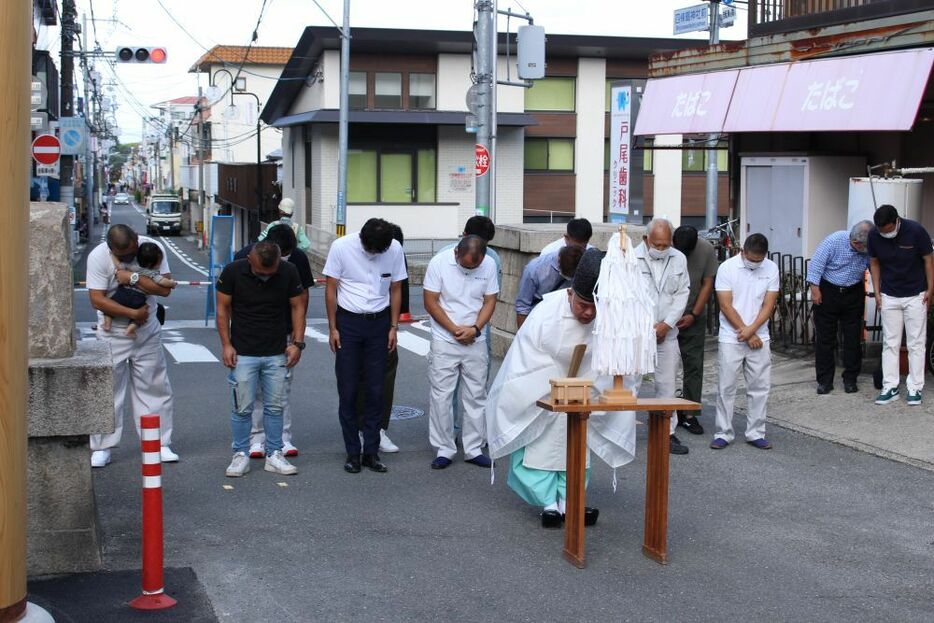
(127, 54)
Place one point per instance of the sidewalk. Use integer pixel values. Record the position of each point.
(894, 431)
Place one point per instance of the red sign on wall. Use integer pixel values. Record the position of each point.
(46, 149)
(483, 160)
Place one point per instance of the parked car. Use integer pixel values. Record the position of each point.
(121, 199)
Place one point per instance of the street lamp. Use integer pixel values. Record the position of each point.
(236, 90)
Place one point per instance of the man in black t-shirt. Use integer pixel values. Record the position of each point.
(284, 237)
(901, 260)
(256, 299)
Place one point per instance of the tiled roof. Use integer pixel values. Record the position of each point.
(233, 54)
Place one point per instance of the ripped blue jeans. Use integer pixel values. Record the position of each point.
(273, 377)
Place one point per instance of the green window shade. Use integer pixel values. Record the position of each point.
(647, 160)
(361, 176)
(536, 154)
(561, 155)
(427, 168)
(692, 160)
(555, 94)
(609, 89)
(395, 178)
(606, 154)
(723, 161)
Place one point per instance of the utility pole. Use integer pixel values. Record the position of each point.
(171, 136)
(713, 139)
(342, 132)
(204, 225)
(485, 34)
(69, 12)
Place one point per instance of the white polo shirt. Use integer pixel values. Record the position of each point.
(364, 278)
(462, 290)
(749, 288)
(101, 274)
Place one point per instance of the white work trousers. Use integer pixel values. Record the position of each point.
(448, 363)
(667, 360)
(910, 313)
(756, 366)
(140, 372)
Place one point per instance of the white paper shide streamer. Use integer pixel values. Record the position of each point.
(624, 330)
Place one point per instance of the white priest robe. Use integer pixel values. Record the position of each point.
(542, 350)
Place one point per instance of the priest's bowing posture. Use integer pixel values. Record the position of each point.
(537, 439)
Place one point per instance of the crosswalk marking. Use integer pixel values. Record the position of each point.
(410, 341)
(316, 335)
(421, 325)
(185, 352)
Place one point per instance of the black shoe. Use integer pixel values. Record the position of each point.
(590, 515)
(676, 447)
(372, 462)
(691, 424)
(551, 519)
(352, 466)
(850, 387)
(824, 389)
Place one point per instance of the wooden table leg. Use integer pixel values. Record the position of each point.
(656, 488)
(576, 473)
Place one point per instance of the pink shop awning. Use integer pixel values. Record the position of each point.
(855, 93)
(867, 92)
(691, 104)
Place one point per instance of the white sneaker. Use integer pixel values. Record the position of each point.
(239, 465)
(167, 455)
(386, 444)
(257, 451)
(278, 464)
(288, 449)
(100, 458)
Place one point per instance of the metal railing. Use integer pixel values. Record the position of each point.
(422, 250)
(765, 15)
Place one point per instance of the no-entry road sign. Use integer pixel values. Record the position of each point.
(46, 149)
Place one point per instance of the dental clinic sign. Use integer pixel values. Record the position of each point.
(620, 151)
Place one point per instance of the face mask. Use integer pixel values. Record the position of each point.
(655, 254)
(285, 258)
(892, 233)
(751, 265)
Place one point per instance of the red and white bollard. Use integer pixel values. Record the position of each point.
(153, 597)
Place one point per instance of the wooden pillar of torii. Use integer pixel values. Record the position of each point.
(15, 76)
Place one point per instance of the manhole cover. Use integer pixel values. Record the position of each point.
(405, 413)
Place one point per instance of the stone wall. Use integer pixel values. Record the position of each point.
(517, 245)
(70, 397)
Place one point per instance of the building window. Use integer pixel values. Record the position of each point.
(551, 95)
(422, 91)
(388, 90)
(392, 174)
(549, 154)
(695, 160)
(356, 94)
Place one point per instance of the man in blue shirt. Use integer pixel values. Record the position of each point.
(544, 274)
(902, 267)
(837, 275)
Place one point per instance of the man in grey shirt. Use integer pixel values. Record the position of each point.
(545, 274)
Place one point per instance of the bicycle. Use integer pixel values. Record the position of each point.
(724, 239)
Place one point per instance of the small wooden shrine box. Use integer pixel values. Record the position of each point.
(571, 391)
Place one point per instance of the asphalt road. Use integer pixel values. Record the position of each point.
(809, 531)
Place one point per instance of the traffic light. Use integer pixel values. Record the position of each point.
(126, 54)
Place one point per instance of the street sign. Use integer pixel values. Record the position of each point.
(620, 151)
(46, 149)
(483, 160)
(73, 133)
(48, 170)
(727, 16)
(692, 19)
(697, 18)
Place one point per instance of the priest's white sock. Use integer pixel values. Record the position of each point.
(552, 507)
(562, 506)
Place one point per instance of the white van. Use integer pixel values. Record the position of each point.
(164, 215)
